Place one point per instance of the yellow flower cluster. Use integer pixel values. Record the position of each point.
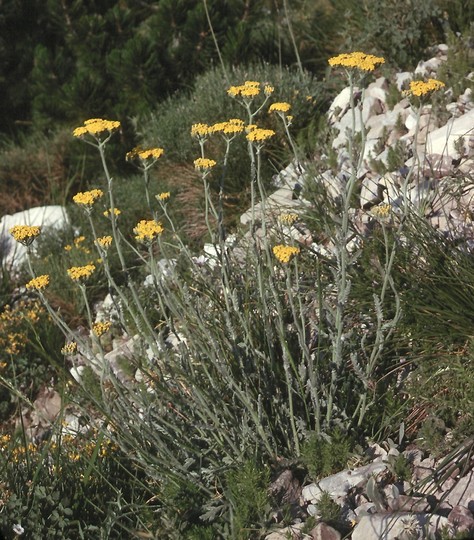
(100, 328)
(249, 89)
(76, 273)
(25, 234)
(421, 88)
(15, 322)
(147, 231)
(204, 164)
(259, 134)
(88, 198)
(358, 60)
(163, 196)
(288, 219)
(285, 253)
(268, 90)
(69, 348)
(40, 282)
(144, 153)
(104, 241)
(282, 107)
(96, 126)
(231, 127)
(199, 130)
(117, 212)
(381, 211)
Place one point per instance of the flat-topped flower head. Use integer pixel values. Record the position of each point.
(163, 196)
(357, 60)
(25, 234)
(259, 134)
(104, 241)
(69, 348)
(204, 164)
(381, 211)
(288, 219)
(285, 253)
(249, 89)
(96, 127)
(147, 230)
(79, 273)
(39, 283)
(268, 90)
(282, 107)
(199, 131)
(100, 328)
(422, 88)
(144, 154)
(88, 198)
(231, 127)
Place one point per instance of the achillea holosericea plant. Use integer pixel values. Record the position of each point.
(39, 283)
(79, 273)
(285, 253)
(257, 135)
(148, 230)
(96, 127)
(100, 328)
(422, 88)
(356, 60)
(281, 107)
(88, 198)
(25, 234)
(204, 164)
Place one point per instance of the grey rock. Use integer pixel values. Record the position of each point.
(462, 493)
(323, 531)
(461, 519)
(404, 503)
(398, 526)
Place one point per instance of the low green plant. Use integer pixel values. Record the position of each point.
(329, 511)
(323, 456)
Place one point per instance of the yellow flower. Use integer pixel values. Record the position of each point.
(163, 196)
(268, 90)
(248, 89)
(259, 134)
(285, 253)
(100, 328)
(421, 88)
(203, 164)
(358, 60)
(199, 130)
(96, 126)
(40, 282)
(104, 241)
(230, 127)
(381, 211)
(147, 231)
(88, 198)
(69, 348)
(288, 219)
(117, 212)
(25, 234)
(282, 107)
(76, 273)
(144, 154)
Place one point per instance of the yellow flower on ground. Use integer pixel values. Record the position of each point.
(88, 198)
(288, 219)
(76, 273)
(104, 241)
(421, 88)
(69, 348)
(25, 234)
(285, 253)
(204, 164)
(259, 134)
(147, 231)
(96, 126)
(117, 212)
(163, 196)
(100, 328)
(39, 283)
(144, 154)
(282, 107)
(358, 60)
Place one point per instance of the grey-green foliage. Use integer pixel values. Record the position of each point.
(325, 456)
